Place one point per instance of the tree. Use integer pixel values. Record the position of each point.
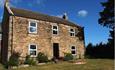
(89, 52)
(107, 15)
(99, 50)
(107, 20)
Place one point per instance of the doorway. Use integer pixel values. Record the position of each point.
(56, 50)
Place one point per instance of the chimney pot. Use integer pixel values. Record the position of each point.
(65, 16)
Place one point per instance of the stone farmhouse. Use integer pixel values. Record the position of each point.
(29, 33)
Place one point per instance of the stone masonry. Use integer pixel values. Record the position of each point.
(16, 36)
(44, 38)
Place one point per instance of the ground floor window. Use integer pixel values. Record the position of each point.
(73, 50)
(32, 50)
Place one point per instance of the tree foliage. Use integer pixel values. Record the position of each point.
(107, 15)
(107, 19)
(99, 51)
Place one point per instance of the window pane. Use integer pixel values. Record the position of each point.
(54, 32)
(32, 52)
(32, 29)
(33, 24)
(71, 30)
(73, 52)
(72, 34)
(54, 27)
(32, 46)
(73, 47)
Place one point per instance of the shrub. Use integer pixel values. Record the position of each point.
(14, 59)
(29, 60)
(41, 57)
(68, 56)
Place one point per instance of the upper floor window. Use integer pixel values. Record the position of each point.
(55, 29)
(32, 27)
(32, 50)
(73, 50)
(72, 32)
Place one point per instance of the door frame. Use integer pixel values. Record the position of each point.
(56, 50)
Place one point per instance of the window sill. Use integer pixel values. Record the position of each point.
(74, 54)
(32, 33)
(33, 56)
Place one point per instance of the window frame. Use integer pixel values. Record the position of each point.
(29, 50)
(32, 27)
(73, 32)
(73, 50)
(55, 29)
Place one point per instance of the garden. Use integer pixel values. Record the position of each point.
(68, 62)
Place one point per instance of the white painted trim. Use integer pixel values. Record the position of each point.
(73, 50)
(71, 31)
(55, 29)
(33, 27)
(30, 49)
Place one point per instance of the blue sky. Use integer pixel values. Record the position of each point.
(82, 12)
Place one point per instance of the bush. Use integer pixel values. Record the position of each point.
(14, 59)
(68, 56)
(41, 57)
(29, 60)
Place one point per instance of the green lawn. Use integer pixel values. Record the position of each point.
(92, 64)
(1, 67)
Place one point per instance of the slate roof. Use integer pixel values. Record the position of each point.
(40, 16)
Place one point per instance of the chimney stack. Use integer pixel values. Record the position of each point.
(65, 16)
(6, 6)
(6, 3)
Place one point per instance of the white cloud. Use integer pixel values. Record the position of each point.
(82, 13)
(1, 3)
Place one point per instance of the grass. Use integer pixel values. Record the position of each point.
(92, 64)
(2, 67)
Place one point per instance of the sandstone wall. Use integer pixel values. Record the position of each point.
(44, 38)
